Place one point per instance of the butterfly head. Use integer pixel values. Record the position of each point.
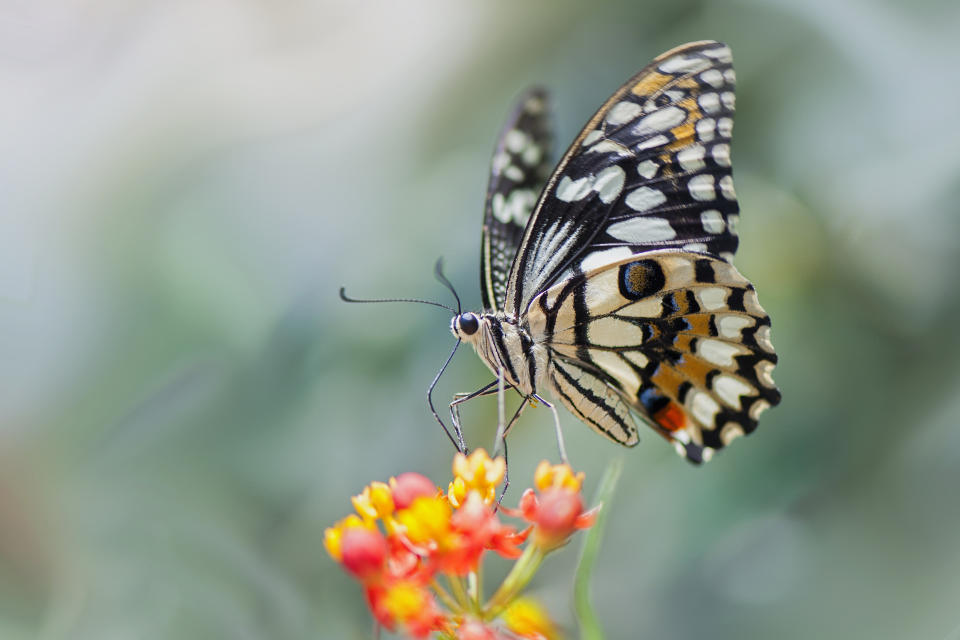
(466, 326)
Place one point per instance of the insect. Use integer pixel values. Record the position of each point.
(610, 283)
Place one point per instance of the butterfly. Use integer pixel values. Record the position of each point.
(609, 281)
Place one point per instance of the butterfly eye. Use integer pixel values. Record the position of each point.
(469, 323)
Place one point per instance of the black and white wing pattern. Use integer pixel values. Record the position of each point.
(650, 170)
(679, 337)
(624, 270)
(520, 167)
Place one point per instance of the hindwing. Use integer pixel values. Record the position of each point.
(679, 336)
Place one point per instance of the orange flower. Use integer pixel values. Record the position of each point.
(526, 618)
(363, 553)
(374, 502)
(333, 536)
(407, 487)
(555, 515)
(409, 605)
(558, 476)
(476, 472)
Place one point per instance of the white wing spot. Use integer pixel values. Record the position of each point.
(730, 432)
(721, 54)
(732, 327)
(757, 408)
(500, 162)
(729, 100)
(660, 120)
(726, 188)
(604, 257)
(712, 221)
(680, 64)
(712, 298)
(764, 370)
(609, 183)
(721, 154)
(637, 358)
(645, 198)
(606, 146)
(705, 129)
(515, 208)
(650, 143)
(570, 190)
(725, 127)
(515, 140)
(713, 77)
(730, 389)
(717, 352)
(695, 246)
(732, 221)
(592, 137)
(642, 229)
(704, 408)
(514, 173)
(730, 76)
(691, 158)
(623, 112)
(701, 187)
(762, 336)
(532, 155)
(648, 169)
(709, 102)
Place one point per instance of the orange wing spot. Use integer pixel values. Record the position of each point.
(651, 83)
(699, 324)
(671, 417)
(668, 379)
(683, 342)
(695, 369)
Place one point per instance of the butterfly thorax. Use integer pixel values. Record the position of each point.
(504, 345)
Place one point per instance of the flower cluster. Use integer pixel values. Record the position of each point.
(408, 534)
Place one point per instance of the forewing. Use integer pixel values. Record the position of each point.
(520, 166)
(680, 336)
(650, 170)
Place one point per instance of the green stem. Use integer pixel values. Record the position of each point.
(444, 596)
(459, 592)
(518, 578)
(590, 628)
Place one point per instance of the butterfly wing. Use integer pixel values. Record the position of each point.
(650, 170)
(679, 336)
(520, 166)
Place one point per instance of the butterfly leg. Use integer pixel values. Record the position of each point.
(501, 441)
(458, 399)
(556, 423)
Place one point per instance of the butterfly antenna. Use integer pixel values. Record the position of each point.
(438, 271)
(346, 298)
(459, 445)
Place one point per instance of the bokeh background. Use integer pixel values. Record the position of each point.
(185, 404)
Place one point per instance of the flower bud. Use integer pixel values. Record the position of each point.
(556, 517)
(409, 486)
(363, 553)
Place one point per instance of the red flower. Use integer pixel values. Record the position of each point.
(363, 553)
(555, 514)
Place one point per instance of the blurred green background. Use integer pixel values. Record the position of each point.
(185, 404)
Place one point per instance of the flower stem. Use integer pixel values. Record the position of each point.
(459, 592)
(521, 574)
(444, 595)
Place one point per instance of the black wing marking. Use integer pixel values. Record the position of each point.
(650, 170)
(521, 164)
(680, 336)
